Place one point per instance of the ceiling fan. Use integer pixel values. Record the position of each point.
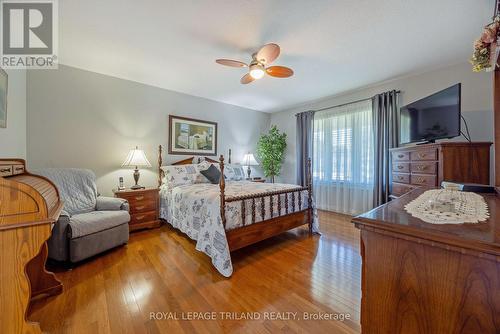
(257, 67)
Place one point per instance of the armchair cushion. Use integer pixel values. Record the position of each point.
(111, 204)
(93, 222)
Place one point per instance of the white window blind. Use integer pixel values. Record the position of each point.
(343, 158)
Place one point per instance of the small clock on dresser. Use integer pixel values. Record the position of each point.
(144, 207)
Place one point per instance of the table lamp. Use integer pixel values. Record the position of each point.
(136, 158)
(249, 160)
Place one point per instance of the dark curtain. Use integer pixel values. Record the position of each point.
(304, 144)
(385, 128)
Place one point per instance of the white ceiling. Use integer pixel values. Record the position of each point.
(332, 45)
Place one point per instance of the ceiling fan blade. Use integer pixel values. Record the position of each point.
(279, 71)
(246, 79)
(232, 63)
(268, 53)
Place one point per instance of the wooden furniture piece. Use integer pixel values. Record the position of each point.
(426, 278)
(246, 235)
(430, 164)
(144, 207)
(29, 205)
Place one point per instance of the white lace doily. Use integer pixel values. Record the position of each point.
(468, 207)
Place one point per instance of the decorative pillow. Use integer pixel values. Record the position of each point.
(179, 175)
(239, 172)
(234, 172)
(204, 165)
(212, 174)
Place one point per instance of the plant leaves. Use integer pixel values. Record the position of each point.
(271, 151)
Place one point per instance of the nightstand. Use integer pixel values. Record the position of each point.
(144, 207)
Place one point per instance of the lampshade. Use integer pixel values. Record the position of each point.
(249, 160)
(137, 158)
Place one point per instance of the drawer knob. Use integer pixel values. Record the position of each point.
(421, 155)
(400, 177)
(421, 167)
(401, 156)
(139, 217)
(140, 207)
(138, 198)
(400, 167)
(19, 168)
(3, 170)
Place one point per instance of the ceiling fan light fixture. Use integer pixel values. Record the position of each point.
(257, 71)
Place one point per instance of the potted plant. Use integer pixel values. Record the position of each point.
(271, 152)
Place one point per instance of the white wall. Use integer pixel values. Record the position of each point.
(477, 104)
(82, 119)
(13, 137)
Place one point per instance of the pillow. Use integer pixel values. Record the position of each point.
(180, 175)
(239, 172)
(234, 172)
(200, 178)
(212, 174)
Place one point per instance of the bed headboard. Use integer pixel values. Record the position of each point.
(186, 161)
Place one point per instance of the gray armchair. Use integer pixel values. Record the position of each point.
(90, 224)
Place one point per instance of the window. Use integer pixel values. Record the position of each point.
(343, 157)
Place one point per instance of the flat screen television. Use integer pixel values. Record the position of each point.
(434, 117)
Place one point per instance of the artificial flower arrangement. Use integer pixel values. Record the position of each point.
(485, 46)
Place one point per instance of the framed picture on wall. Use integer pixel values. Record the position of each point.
(191, 136)
(3, 98)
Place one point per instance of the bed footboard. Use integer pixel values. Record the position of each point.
(280, 220)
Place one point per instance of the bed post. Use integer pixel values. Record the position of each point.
(222, 186)
(309, 195)
(160, 162)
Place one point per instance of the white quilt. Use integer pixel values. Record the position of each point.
(194, 209)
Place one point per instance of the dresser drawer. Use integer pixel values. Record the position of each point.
(17, 169)
(139, 218)
(423, 180)
(424, 155)
(403, 167)
(399, 189)
(140, 197)
(400, 156)
(401, 177)
(424, 168)
(6, 170)
(143, 205)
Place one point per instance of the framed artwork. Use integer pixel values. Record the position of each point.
(3, 98)
(191, 136)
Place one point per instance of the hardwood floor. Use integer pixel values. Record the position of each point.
(160, 272)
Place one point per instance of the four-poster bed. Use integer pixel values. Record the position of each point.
(248, 212)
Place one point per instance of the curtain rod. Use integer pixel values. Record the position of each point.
(344, 104)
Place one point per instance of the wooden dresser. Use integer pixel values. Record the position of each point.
(29, 205)
(144, 207)
(430, 164)
(426, 278)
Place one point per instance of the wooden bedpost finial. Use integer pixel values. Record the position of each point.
(222, 186)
